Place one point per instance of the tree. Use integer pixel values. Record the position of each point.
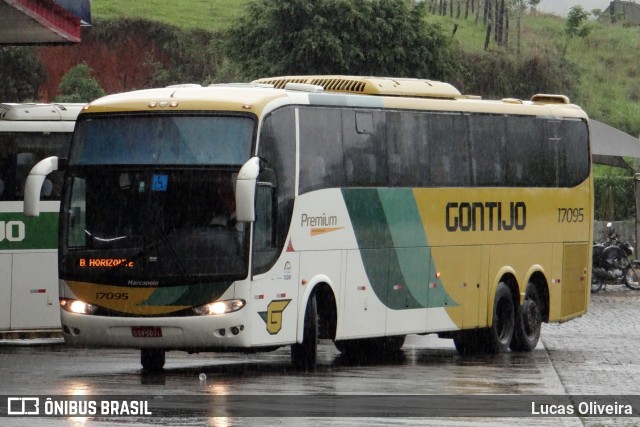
(576, 25)
(21, 74)
(376, 37)
(78, 85)
(533, 3)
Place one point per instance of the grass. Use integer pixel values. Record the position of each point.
(210, 15)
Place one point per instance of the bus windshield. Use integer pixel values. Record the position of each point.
(135, 210)
(174, 139)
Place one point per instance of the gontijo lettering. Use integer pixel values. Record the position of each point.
(481, 216)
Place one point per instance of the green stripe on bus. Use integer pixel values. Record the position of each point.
(397, 260)
(19, 232)
(412, 248)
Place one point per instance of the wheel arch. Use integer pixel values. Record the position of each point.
(508, 277)
(539, 280)
(323, 288)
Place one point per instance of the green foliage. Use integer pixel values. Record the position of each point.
(576, 25)
(376, 37)
(498, 74)
(79, 85)
(21, 74)
(614, 198)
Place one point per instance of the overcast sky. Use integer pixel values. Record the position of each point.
(561, 7)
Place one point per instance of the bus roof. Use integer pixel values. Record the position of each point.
(263, 95)
(40, 112)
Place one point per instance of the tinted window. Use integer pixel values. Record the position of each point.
(365, 162)
(487, 142)
(428, 149)
(321, 152)
(530, 161)
(162, 139)
(448, 150)
(439, 149)
(19, 152)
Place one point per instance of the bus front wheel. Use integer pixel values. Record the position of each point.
(152, 359)
(304, 354)
(469, 342)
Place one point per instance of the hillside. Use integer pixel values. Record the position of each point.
(606, 60)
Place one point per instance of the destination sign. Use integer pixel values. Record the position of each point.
(106, 262)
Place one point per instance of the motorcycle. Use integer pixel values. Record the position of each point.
(611, 263)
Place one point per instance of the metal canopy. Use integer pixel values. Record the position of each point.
(42, 21)
(609, 145)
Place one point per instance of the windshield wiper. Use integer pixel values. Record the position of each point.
(165, 241)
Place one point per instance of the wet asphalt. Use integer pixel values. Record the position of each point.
(593, 355)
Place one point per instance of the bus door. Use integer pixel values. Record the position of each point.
(274, 292)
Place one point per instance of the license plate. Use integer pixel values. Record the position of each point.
(146, 331)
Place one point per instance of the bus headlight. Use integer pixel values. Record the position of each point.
(220, 307)
(77, 306)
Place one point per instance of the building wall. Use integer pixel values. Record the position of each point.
(630, 10)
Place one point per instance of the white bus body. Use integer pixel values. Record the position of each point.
(28, 246)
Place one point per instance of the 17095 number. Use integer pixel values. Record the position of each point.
(570, 214)
(112, 295)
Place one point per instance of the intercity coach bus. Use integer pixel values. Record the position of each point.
(28, 246)
(246, 217)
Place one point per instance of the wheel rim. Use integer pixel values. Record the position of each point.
(530, 316)
(596, 284)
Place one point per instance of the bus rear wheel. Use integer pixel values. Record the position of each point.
(528, 321)
(304, 354)
(152, 359)
(500, 333)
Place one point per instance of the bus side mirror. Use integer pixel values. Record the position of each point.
(33, 185)
(246, 190)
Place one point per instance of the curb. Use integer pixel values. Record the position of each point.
(30, 334)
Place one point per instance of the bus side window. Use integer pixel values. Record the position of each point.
(264, 246)
(4, 182)
(24, 163)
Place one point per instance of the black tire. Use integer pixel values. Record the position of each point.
(500, 333)
(304, 354)
(596, 284)
(152, 359)
(367, 346)
(632, 276)
(469, 342)
(528, 321)
(393, 344)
